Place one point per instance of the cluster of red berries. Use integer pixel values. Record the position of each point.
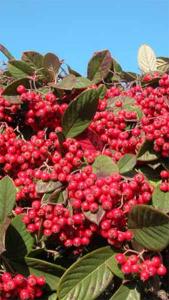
(56, 220)
(144, 269)
(148, 77)
(21, 288)
(164, 185)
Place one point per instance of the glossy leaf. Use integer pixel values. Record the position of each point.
(38, 267)
(104, 166)
(102, 91)
(88, 277)
(163, 64)
(19, 69)
(7, 197)
(47, 186)
(160, 199)
(150, 227)
(79, 113)
(99, 66)
(73, 82)
(33, 58)
(147, 59)
(51, 62)
(126, 292)
(146, 152)
(127, 163)
(18, 241)
(11, 89)
(95, 217)
(114, 267)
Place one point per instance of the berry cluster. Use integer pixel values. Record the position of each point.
(144, 268)
(164, 185)
(21, 288)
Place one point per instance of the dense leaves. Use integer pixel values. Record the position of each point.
(84, 178)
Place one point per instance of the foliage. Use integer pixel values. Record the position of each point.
(84, 177)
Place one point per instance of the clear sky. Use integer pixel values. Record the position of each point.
(74, 29)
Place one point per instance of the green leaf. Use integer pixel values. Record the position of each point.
(124, 99)
(116, 66)
(104, 166)
(11, 89)
(163, 64)
(48, 186)
(52, 272)
(79, 113)
(102, 91)
(51, 65)
(88, 277)
(165, 163)
(51, 62)
(7, 197)
(19, 69)
(82, 82)
(127, 163)
(71, 71)
(129, 76)
(34, 59)
(38, 267)
(99, 66)
(151, 175)
(160, 199)
(5, 51)
(95, 217)
(18, 241)
(114, 267)
(126, 292)
(150, 227)
(73, 82)
(147, 59)
(146, 152)
(3, 228)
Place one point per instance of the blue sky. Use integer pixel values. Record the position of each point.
(74, 29)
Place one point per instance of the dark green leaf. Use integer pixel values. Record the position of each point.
(161, 199)
(146, 152)
(7, 197)
(72, 82)
(104, 166)
(71, 71)
(11, 88)
(102, 91)
(88, 277)
(152, 176)
(34, 59)
(150, 227)
(127, 163)
(29, 265)
(18, 241)
(99, 66)
(129, 76)
(5, 51)
(82, 82)
(114, 267)
(126, 292)
(79, 113)
(51, 64)
(19, 69)
(116, 66)
(48, 186)
(95, 217)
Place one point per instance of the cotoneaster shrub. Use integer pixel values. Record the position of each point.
(84, 169)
